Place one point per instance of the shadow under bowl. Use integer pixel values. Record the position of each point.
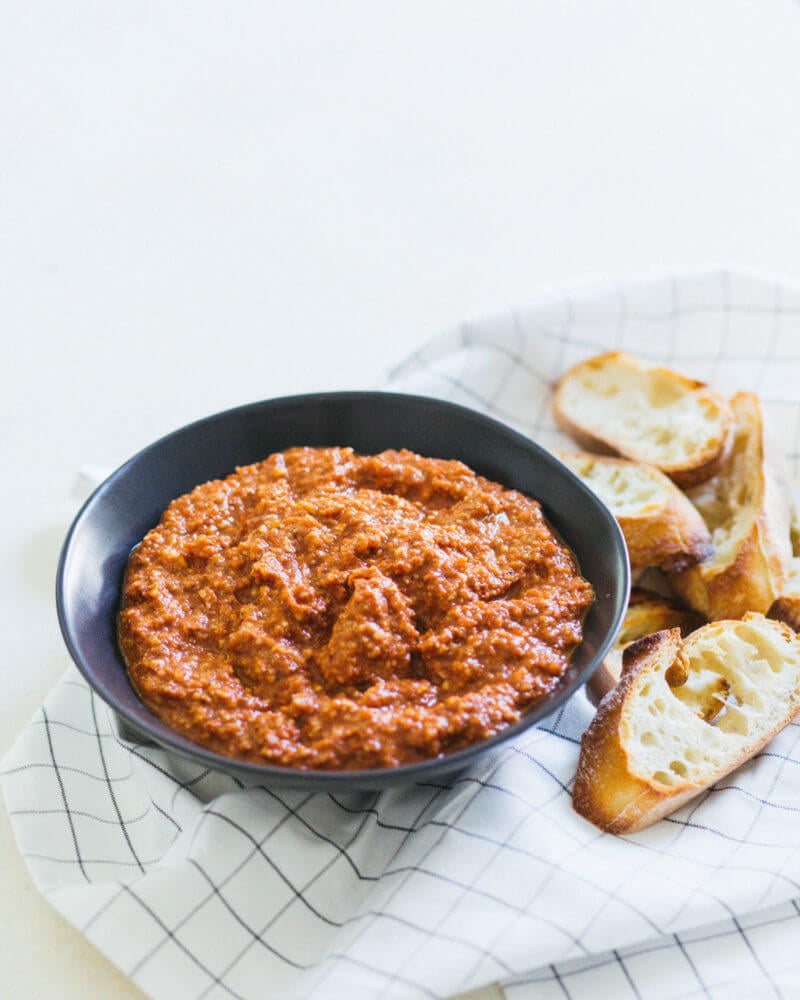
(130, 502)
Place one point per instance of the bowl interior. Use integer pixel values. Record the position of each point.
(132, 499)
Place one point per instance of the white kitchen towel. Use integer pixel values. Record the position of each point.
(196, 886)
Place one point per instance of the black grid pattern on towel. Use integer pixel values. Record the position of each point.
(199, 887)
(753, 956)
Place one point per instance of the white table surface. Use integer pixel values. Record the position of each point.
(206, 204)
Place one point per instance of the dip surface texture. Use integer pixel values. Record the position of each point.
(323, 609)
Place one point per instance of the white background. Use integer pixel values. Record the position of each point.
(206, 204)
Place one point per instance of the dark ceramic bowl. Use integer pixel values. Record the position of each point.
(130, 502)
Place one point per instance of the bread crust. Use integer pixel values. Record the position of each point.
(696, 463)
(606, 791)
(751, 578)
(609, 791)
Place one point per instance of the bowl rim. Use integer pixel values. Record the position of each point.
(174, 742)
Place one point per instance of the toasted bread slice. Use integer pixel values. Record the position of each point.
(746, 508)
(794, 504)
(651, 747)
(787, 607)
(615, 404)
(661, 526)
(647, 613)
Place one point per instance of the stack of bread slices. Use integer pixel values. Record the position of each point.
(706, 668)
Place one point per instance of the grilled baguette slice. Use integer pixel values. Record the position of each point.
(794, 493)
(615, 404)
(652, 747)
(746, 507)
(647, 613)
(660, 524)
(787, 607)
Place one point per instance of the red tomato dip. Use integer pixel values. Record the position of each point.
(324, 609)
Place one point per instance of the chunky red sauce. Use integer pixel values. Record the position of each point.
(323, 609)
